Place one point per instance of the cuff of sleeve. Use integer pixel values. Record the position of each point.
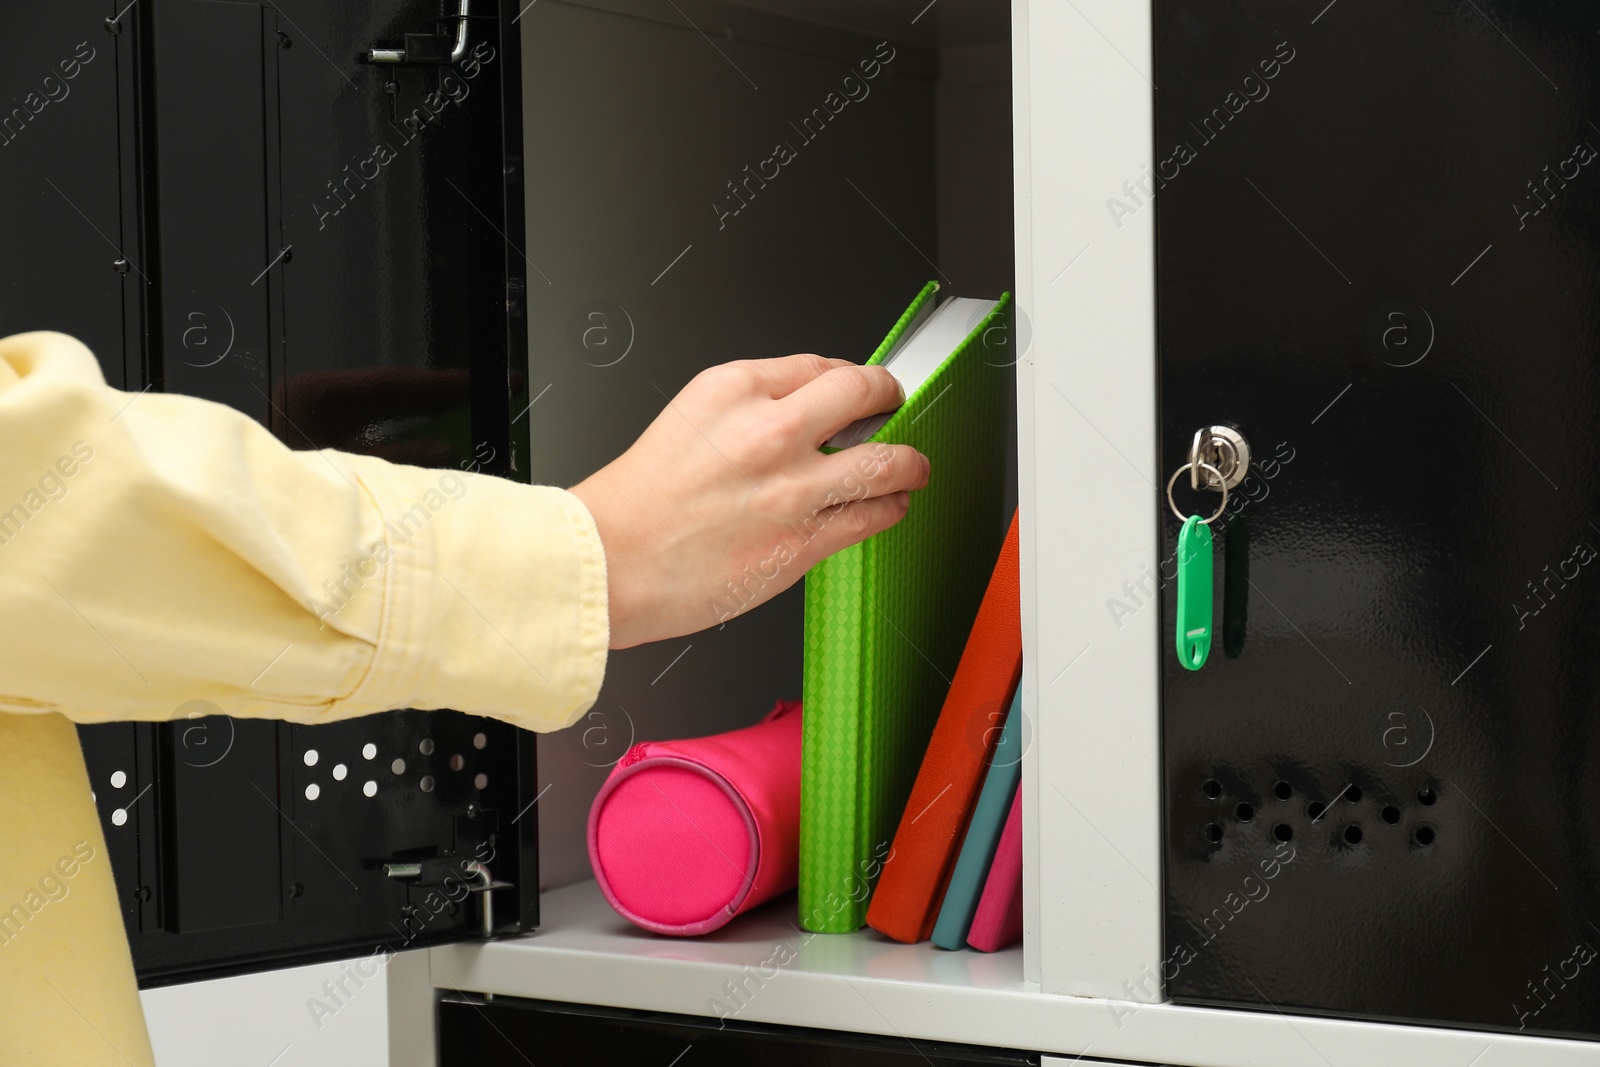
(496, 602)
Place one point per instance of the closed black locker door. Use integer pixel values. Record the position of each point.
(473, 1030)
(232, 201)
(1378, 257)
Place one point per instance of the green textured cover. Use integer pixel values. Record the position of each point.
(885, 623)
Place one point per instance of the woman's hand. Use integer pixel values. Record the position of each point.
(725, 501)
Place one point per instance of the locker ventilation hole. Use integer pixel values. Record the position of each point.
(398, 766)
(339, 771)
(119, 817)
(481, 782)
(456, 762)
(426, 784)
(313, 791)
(369, 751)
(425, 746)
(1351, 834)
(118, 779)
(370, 788)
(479, 740)
(311, 757)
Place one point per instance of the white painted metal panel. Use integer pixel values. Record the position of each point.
(319, 1015)
(1089, 476)
(1027, 493)
(413, 1015)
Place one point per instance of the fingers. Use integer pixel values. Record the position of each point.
(832, 401)
(858, 520)
(782, 375)
(870, 470)
(859, 492)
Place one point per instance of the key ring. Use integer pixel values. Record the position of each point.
(1220, 481)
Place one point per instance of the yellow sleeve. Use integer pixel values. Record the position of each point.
(157, 550)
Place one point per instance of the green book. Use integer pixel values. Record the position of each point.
(886, 620)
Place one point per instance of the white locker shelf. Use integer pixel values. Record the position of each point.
(864, 983)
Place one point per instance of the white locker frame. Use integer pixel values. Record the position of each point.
(1086, 389)
(1082, 986)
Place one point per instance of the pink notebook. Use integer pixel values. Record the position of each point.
(998, 922)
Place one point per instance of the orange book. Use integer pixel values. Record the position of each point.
(917, 873)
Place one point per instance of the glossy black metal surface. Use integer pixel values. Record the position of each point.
(254, 843)
(221, 200)
(474, 1031)
(62, 183)
(1378, 257)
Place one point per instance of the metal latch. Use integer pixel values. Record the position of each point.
(428, 49)
(484, 885)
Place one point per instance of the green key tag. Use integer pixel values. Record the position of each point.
(1194, 593)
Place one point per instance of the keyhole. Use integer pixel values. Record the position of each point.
(1223, 449)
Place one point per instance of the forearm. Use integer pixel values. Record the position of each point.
(188, 555)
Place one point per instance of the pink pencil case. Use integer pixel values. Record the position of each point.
(684, 835)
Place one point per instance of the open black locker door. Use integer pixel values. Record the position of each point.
(237, 202)
(1377, 257)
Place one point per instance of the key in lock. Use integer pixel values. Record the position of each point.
(1222, 449)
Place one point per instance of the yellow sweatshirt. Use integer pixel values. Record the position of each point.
(157, 550)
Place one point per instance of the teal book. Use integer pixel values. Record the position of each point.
(983, 834)
(886, 620)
